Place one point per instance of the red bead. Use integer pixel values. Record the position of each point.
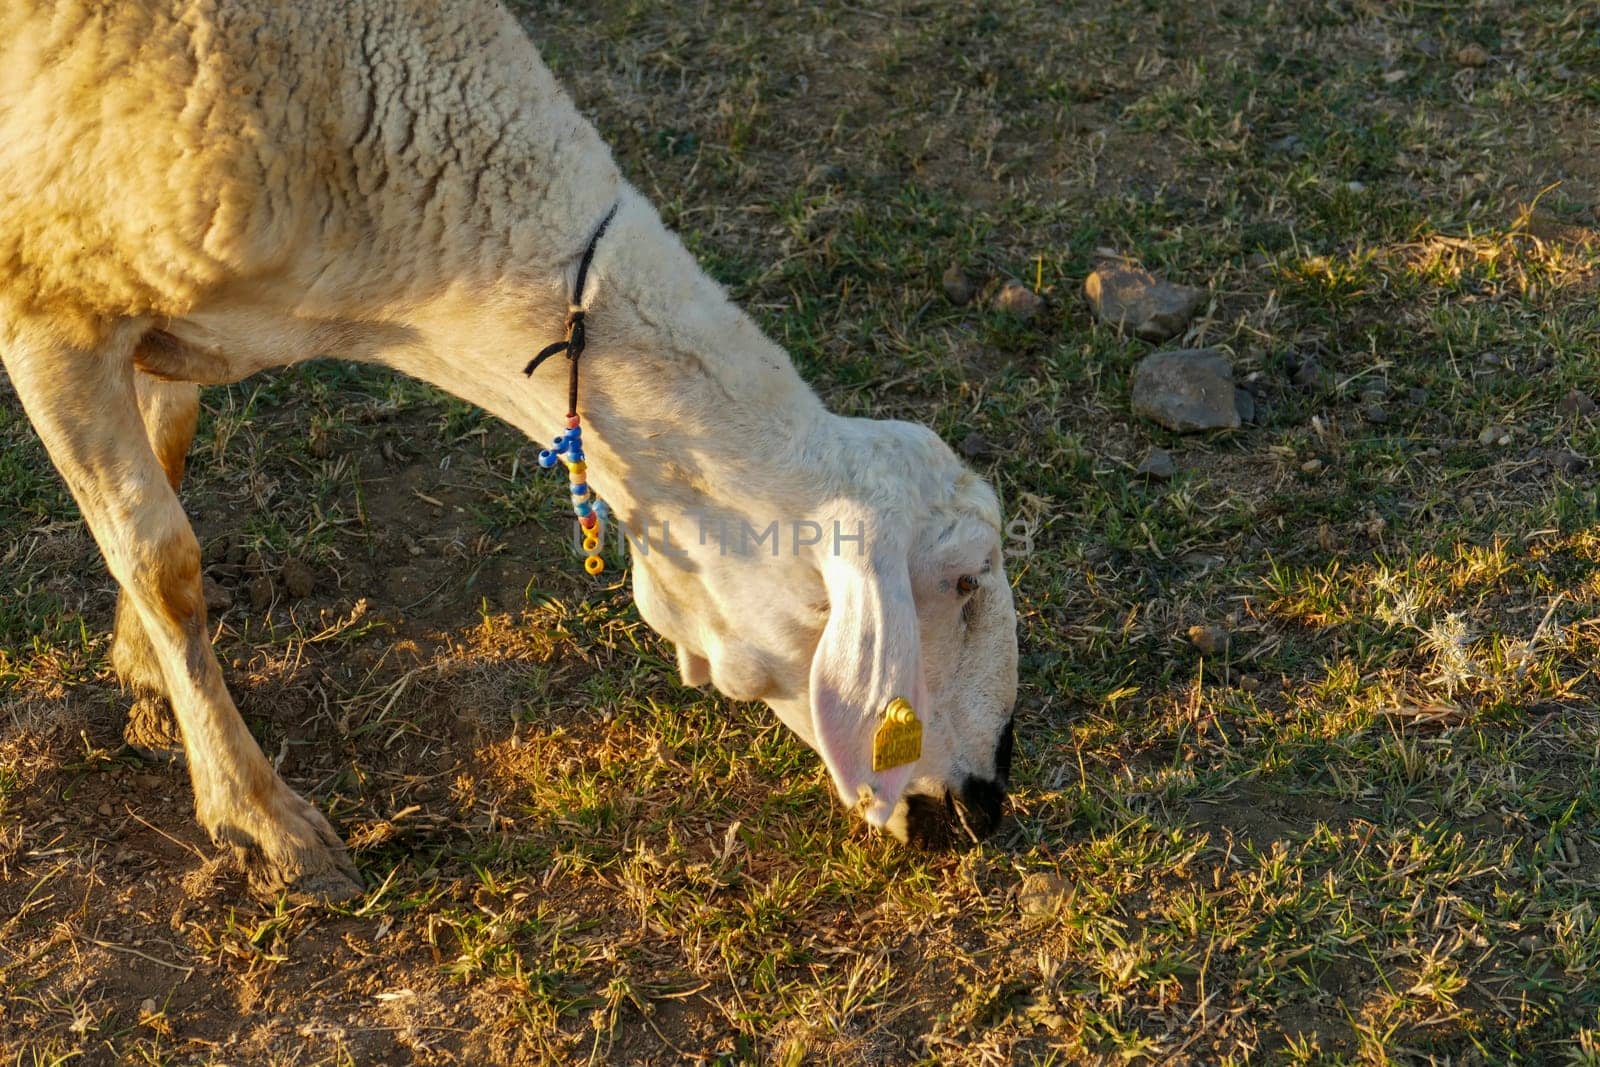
(572, 422)
(587, 521)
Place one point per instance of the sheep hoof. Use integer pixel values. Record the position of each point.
(152, 731)
(292, 851)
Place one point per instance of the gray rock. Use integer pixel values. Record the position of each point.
(1244, 402)
(1157, 465)
(1134, 299)
(957, 286)
(1376, 414)
(1186, 390)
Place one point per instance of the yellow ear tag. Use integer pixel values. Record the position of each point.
(899, 737)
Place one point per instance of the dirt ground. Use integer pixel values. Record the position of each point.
(1355, 818)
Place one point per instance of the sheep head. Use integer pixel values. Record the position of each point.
(888, 582)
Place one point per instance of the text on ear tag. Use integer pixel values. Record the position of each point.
(899, 737)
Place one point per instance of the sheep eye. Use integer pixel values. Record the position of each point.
(966, 585)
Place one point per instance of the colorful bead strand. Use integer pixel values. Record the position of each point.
(590, 509)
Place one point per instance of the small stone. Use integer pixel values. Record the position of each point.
(261, 592)
(1573, 463)
(1017, 299)
(1042, 894)
(1311, 466)
(1210, 640)
(1417, 396)
(1134, 299)
(1186, 390)
(217, 599)
(1495, 435)
(976, 446)
(1157, 465)
(255, 563)
(1376, 414)
(1576, 404)
(298, 579)
(1472, 55)
(957, 286)
(104, 809)
(1249, 683)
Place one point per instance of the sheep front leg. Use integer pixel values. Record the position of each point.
(84, 407)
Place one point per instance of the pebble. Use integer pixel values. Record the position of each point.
(957, 286)
(1157, 465)
(1132, 298)
(1472, 55)
(1211, 640)
(1187, 390)
(1042, 894)
(1312, 465)
(298, 579)
(1494, 435)
(1017, 299)
(1576, 404)
(1376, 414)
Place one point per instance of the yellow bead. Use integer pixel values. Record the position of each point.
(591, 544)
(578, 469)
(594, 564)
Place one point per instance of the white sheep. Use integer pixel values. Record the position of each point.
(192, 192)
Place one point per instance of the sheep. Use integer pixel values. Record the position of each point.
(193, 192)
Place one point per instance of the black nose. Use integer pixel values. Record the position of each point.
(960, 820)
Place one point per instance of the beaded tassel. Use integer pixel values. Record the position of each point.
(590, 509)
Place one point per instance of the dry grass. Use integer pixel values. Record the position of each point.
(1365, 832)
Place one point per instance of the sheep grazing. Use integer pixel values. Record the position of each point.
(190, 193)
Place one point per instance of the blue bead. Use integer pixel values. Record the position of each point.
(601, 510)
(547, 458)
(583, 508)
(576, 454)
(581, 489)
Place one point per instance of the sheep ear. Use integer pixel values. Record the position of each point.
(870, 653)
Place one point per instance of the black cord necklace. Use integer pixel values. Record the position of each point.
(568, 445)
